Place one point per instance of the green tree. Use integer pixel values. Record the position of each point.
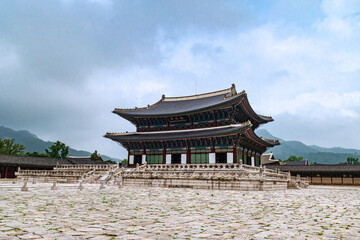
(294, 158)
(110, 161)
(352, 161)
(36, 154)
(58, 150)
(95, 156)
(7, 146)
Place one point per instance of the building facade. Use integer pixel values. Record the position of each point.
(216, 127)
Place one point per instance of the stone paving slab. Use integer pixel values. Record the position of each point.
(158, 213)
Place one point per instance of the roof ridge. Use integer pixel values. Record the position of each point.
(230, 92)
(199, 96)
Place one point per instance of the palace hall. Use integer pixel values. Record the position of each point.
(209, 128)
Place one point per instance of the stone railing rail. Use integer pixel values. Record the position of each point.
(190, 167)
(251, 168)
(47, 173)
(196, 169)
(87, 166)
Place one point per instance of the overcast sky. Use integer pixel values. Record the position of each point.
(65, 65)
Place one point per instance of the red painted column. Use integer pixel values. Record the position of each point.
(188, 156)
(6, 170)
(249, 157)
(234, 153)
(243, 156)
(342, 179)
(164, 155)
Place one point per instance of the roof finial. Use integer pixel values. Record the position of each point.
(163, 97)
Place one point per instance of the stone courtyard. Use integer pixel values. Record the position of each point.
(176, 213)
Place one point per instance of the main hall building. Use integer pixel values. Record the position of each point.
(216, 127)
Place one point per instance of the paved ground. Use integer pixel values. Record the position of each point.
(156, 213)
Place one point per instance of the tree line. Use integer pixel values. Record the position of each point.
(349, 160)
(57, 150)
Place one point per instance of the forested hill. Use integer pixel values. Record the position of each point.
(311, 152)
(34, 144)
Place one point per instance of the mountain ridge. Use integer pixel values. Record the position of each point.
(33, 143)
(312, 153)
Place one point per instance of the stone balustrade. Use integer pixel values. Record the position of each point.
(210, 176)
(105, 167)
(48, 173)
(191, 167)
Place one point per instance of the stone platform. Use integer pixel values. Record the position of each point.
(199, 176)
(211, 176)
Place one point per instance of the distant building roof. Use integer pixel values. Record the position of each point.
(26, 161)
(84, 160)
(296, 163)
(43, 162)
(317, 168)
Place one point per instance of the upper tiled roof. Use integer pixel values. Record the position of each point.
(181, 105)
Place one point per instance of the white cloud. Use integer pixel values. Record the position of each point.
(341, 18)
(340, 8)
(318, 103)
(9, 58)
(73, 64)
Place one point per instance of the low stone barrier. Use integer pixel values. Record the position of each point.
(207, 176)
(210, 176)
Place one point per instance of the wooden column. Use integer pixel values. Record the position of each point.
(331, 177)
(234, 154)
(342, 179)
(6, 170)
(244, 156)
(188, 152)
(212, 145)
(321, 178)
(164, 153)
